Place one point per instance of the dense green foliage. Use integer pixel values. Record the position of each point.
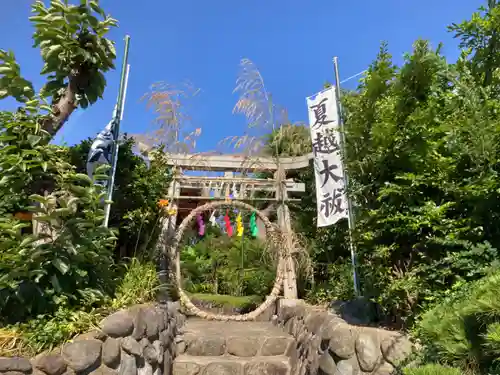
(432, 370)
(58, 270)
(24, 158)
(423, 158)
(137, 285)
(139, 185)
(63, 263)
(233, 266)
(422, 153)
(464, 329)
(68, 259)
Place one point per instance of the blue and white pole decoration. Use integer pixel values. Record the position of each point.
(104, 149)
(101, 150)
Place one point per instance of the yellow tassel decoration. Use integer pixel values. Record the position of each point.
(239, 226)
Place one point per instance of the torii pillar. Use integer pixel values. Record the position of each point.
(284, 222)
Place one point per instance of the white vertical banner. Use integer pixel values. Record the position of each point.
(328, 169)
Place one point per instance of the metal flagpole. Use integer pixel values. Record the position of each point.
(350, 216)
(125, 92)
(116, 133)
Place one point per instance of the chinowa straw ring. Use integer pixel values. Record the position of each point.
(274, 236)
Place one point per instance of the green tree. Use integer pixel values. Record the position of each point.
(70, 260)
(139, 185)
(480, 37)
(422, 150)
(65, 258)
(76, 55)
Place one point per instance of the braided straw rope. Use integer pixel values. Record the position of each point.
(272, 233)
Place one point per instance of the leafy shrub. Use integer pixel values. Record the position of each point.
(69, 259)
(139, 185)
(234, 266)
(426, 186)
(26, 161)
(336, 283)
(464, 328)
(138, 284)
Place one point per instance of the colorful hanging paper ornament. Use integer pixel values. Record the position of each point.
(254, 230)
(239, 226)
(220, 221)
(242, 191)
(229, 194)
(212, 219)
(234, 191)
(234, 195)
(229, 228)
(211, 192)
(217, 189)
(201, 224)
(162, 203)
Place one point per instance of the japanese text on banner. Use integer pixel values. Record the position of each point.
(328, 169)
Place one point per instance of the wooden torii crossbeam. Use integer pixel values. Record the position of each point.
(221, 163)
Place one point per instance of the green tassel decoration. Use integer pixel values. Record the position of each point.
(253, 225)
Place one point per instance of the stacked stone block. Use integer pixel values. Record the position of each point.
(232, 348)
(326, 344)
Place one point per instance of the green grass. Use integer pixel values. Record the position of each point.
(138, 285)
(432, 370)
(224, 300)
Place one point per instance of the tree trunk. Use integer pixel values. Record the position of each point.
(62, 109)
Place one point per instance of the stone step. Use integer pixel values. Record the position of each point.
(231, 365)
(241, 339)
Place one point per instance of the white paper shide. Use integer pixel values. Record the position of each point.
(328, 168)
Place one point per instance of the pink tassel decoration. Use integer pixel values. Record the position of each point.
(201, 224)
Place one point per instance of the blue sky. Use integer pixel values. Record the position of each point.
(292, 42)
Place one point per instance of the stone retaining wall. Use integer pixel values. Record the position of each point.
(136, 341)
(326, 344)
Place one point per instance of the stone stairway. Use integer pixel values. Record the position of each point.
(232, 348)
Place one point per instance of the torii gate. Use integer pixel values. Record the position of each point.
(284, 190)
